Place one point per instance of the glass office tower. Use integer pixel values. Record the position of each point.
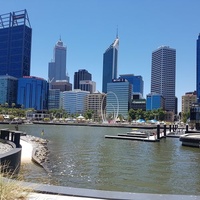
(81, 75)
(163, 75)
(33, 92)
(198, 70)
(15, 44)
(57, 68)
(110, 59)
(136, 81)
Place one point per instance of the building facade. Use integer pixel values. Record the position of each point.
(187, 100)
(198, 68)
(61, 85)
(163, 75)
(95, 102)
(136, 81)
(73, 102)
(57, 68)
(118, 98)
(54, 99)
(33, 93)
(88, 86)
(15, 44)
(8, 90)
(81, 75)
(110, 64)
(155, 101)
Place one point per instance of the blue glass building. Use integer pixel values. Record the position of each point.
(119, 93)
(15, 44)
(110, 59)
(8, 90)
(136, 81)
(33, 92)
(198, 70)
(155, 101)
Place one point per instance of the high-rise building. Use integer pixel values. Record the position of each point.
(155, 101)
(119, 94)
(15, 44)
(54, 99)
(74, 101)
(110, 64)
(61, 85)
(187, 100)
(8, 90)
(136, 81)
(163, 75)
(198, 69)
(57, 68)
(33, 93)
(95, 102)
(88, 86)
(81, 75)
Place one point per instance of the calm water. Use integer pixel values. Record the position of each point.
(82, 157)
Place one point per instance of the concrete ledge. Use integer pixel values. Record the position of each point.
(100, 194)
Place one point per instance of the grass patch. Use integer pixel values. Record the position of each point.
(10, 186)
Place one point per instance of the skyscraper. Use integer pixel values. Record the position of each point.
(57, 68)
(198, 69)
(81, 75)
(33, 92)
(15, 44)
(136, 81)
(110, 59)
(163, 75)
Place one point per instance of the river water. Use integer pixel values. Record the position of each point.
(82, 157)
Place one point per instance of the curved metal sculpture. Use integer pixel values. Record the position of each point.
(103, 114)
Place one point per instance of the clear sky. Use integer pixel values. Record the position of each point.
(88, 27)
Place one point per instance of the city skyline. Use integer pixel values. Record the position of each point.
(93, 28)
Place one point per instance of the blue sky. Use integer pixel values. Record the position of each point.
(88, 27)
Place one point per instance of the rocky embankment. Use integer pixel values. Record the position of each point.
(40, 150)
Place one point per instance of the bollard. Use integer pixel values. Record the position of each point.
(164, 130)
(186, 128)
(4, 134)
(170, 128)
(17, 138)
(158, 131)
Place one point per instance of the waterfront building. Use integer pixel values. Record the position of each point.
(15, 44)
(57, 67)
(62, 85)
(155, 101)
(87, 85)
(119, 94)
(33, 92)
(187, 100)
(163, 75)
(94, 102)
(136, 81)
(54, 99)
(81, 75)
(74, 101)
(8, 90)
(110, 64)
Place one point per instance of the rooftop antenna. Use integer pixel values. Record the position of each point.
(117, 32)
(60, 37)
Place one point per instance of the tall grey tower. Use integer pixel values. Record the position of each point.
(110, 59)
(163, 75)
(57, 68)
